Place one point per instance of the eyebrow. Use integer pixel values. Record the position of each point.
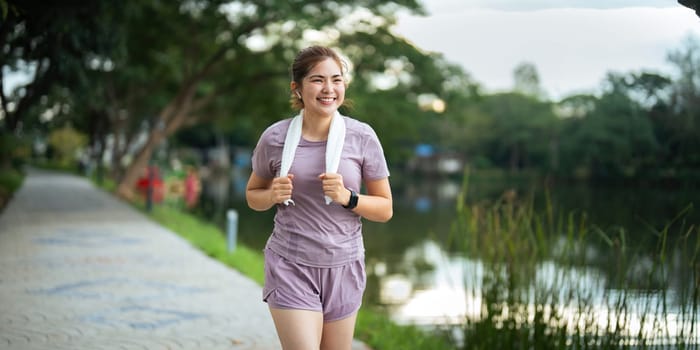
(322, 76)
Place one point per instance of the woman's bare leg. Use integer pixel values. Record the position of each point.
(298, 329)
(337, 335)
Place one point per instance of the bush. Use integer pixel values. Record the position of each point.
(66, 142)
(10, 181)
(14, 151)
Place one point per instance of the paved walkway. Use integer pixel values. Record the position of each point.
(81, 270)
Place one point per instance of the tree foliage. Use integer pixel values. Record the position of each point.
(527, 80)
(517, 134)
(46, 44)
(614, 137)
(179, 63)
(66, 143)
(685, 99)
(134, 74)
(691, 4)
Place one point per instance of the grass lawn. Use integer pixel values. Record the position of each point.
(10, 181)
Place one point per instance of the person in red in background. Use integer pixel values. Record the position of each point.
(192, 188)
(152, 178)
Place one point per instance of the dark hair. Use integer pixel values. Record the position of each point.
(305, 61)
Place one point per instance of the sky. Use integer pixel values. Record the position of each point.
(572, 43)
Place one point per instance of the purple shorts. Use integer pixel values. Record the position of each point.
(334, 291)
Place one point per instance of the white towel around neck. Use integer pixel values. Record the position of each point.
(334, 146)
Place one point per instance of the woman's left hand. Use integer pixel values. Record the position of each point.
(334, 188)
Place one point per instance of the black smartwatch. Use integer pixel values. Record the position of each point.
(353, 200)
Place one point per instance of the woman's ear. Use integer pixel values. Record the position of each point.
(294, 87)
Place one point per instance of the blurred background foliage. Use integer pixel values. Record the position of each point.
(133, 75)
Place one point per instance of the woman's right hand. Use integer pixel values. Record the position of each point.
(282, 188)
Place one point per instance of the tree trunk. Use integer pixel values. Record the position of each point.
(118, 129)
(125, 189)
(135, 169)
(33, 92)
(169, 120)
(99, 143)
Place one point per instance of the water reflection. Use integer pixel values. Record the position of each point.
(450, 293)
(428, 296)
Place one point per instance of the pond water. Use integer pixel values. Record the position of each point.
(416, 279)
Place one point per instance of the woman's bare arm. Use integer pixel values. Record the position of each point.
(377, 204)
(262, 194)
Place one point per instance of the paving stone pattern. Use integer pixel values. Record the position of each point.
(81, 270)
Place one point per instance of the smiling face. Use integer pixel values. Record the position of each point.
(322, 90)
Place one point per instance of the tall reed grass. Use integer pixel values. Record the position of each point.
(549, 280)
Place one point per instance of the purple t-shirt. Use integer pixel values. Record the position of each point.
(313, 233)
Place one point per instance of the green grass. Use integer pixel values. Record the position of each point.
(379, 332)
(10, 181)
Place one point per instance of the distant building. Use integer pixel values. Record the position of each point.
(428, 160)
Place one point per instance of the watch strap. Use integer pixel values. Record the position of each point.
(353, 200)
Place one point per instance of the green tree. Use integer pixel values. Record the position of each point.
(176, 64)
(398, 89)
(653, 92)
(691, 4)
(5, 8)
(614, 138)
(527, 80)
(66, 143)
(684, 145)
(515, 131)
(456, 128)
(49, 44)
(227, 61)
